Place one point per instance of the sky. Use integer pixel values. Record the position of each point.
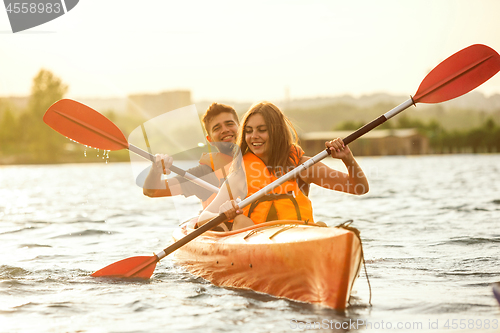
(246, 50)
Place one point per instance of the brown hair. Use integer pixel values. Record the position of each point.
(282, 136)
(214, 110)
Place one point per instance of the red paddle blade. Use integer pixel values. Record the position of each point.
(84, 125)
(458, 74)
(134, 267)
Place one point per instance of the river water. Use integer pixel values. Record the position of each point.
(429, 226)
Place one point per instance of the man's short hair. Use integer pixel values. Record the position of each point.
(214, 110)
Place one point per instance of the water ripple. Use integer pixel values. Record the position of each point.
(428, 227)
(8, 272)
(85, 233)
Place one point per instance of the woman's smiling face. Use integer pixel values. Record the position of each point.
(257, 136)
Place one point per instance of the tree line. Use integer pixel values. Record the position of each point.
(484, 138)
(25, 138)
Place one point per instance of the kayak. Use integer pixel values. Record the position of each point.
(287, 259)
(496, 291)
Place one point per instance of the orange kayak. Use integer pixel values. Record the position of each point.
(305, 263)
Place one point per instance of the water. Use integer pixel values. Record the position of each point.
(429, 227)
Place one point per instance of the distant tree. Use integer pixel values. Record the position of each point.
(387, 125)
(435, 132)
(8, 130)
(475, 138)
(496, 139)
(46, 89)
(349, 125)
(489, 125)
(404, 121)
(458, 141)
(45, 143)
(490, 130)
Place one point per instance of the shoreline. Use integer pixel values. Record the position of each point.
(12, 160)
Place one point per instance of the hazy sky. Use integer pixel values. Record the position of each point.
(246, 51)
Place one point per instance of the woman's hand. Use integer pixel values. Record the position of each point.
(230, 209)
(162, 163)
(338, 149)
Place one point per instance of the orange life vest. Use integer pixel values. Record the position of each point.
(288, 200)
(220, 164)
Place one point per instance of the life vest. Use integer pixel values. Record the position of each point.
(288, 200)
(220, 164)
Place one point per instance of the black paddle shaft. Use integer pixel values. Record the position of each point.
(192, 235)
(378, 121)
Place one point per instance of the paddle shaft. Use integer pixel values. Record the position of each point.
(175, 169)
(378, 121)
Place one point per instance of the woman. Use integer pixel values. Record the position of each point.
(269, 146)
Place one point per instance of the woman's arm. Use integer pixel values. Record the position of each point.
(353, 182)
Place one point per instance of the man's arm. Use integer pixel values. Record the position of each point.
(154, 186)
(188, 188)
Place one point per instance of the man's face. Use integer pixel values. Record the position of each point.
(222, 128)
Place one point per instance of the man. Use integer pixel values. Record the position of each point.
(221, 124)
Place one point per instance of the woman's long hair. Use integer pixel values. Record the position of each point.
(282, 136)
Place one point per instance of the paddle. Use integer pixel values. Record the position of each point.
(455, 76)
(85, 125)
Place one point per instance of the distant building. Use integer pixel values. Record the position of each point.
(152, 105)
(19, 103)
(374, 143)
(106, 104)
